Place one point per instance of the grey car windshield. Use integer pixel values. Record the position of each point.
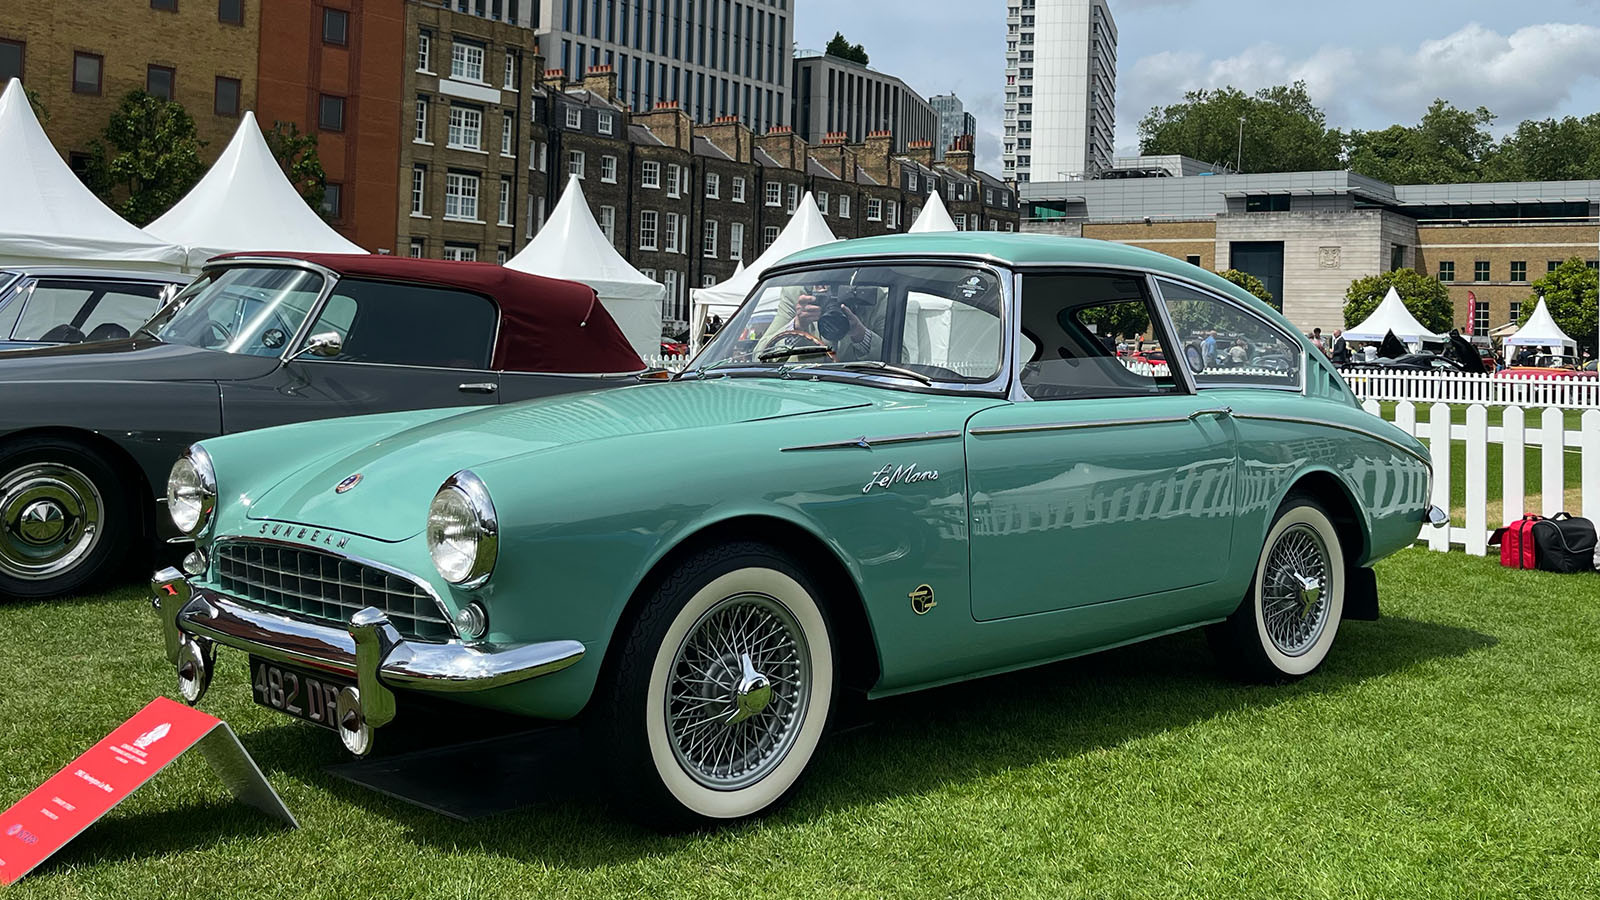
(942, 322)
(243, 309)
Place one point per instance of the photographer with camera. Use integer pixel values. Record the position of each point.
(815, 315)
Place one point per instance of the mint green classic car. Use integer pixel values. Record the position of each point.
(905, 461)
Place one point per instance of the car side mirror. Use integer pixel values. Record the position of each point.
(326, 344)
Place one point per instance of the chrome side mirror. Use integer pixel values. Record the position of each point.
(326, 344)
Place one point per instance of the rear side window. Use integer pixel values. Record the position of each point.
(1075, 333)
(1228, 345)
(409, 325)
(70, 312)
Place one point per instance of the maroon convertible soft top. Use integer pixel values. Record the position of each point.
(546, 324)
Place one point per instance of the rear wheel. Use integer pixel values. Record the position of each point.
(720, 696)
(66, 520)
(1286, 625)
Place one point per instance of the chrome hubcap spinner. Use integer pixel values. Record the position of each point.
(1294, 605)
(51, 516)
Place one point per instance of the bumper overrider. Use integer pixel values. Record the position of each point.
(369, 650)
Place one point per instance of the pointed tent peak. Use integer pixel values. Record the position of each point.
(806, 228)
(1541, 330)
(47, 215)
(934, 217)
(1391, 315)
(739, 268)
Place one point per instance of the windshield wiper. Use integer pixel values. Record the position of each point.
(772, 353)
(877, 365)
(701, 370)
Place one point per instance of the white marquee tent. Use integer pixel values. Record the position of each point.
(245, 203)
(48, 217)
(1542, 331)
(571, 245)
(1391, 315)
(806, 229)
(934, 217)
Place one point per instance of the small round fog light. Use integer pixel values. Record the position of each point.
(472, 622)
(195, 562)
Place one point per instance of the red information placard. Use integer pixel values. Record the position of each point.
(71, 800)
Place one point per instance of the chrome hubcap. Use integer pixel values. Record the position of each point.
(738, 691)
(50, 519)
(1294, 607)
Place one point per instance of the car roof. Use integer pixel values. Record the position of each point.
(546, 324)
(92, 272)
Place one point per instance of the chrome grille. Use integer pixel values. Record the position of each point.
(326, 588)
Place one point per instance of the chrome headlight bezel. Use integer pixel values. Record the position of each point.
(192, 502)
(463, 503)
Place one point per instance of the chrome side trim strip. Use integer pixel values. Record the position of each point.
(867, 443)
(1075, 426)
(1302, 420)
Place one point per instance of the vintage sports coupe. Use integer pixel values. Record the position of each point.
(88, 432)
(925, 467)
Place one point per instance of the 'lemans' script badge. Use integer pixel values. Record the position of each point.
(891, 475)
(348, 483)
(310, 535)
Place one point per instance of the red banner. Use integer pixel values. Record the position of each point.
(72, 799)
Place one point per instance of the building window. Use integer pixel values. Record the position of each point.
(230, 12)
(11, 53)
(1267, 203)
(165, 5)
(736, 240)
(650, 174)
(988, 196)
(575, 163)
(708, 280)
(892, 214)
(738, 189)
(466, 61)
(461, 197)
(501, 255)
(961, 221)
(674, 179)
(335, 27)
(605, 123)
(160, 81)
(1519, 270)
(574, 117)
(425, 52)
(421, 135)
(226, 101)
(1480, 319)
(844, 206)
(768, 235)
(912, 182)
(419, 187)
(1192, 259)
(417, 246)
(461, 252)
(466, 128)
(647, 229)
(510, 82)
(332, 194)
(330, 113)
(508, 134)
(674, 234)
(608, 169)
(822, 202)
(1480, 270)
(505, 202)
(1516, 310)
(794, 198)
(1551, 266)
(86, 73)
(608, 224)
(543, 156)
(774, 194)
(708, 240)
(674, 305)
(1447, 271)
(874, 209)
(713, 185)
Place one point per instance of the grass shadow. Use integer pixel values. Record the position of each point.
(150, 835)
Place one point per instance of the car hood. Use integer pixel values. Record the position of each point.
(402, 469)
(130, 359)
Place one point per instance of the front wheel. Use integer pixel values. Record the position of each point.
(66, 519)
(721, 693)
(1288, 620)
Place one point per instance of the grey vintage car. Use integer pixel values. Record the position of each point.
(89, 431)
(46, 305)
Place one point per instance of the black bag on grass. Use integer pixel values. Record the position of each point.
(1564, 543)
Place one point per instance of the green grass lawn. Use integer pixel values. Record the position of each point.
(1451, 749)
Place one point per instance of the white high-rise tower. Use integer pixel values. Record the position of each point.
(1061, 86)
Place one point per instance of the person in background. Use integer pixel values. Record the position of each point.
(1208, 348)
(1316, 340)
(1341, 349)
(1238, 353)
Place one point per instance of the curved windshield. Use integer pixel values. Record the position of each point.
(242, 309)
(922, 321)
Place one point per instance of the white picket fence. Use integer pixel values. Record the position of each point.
(1559, 449)
(670, 363)
(1572, 392)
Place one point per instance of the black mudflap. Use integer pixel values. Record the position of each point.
(1360, 594)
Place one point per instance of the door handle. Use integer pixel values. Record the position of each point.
(1220, 411)
(478, 387)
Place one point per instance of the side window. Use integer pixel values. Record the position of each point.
(10, 307)
(1226, 344)
(51, 310)
(410, 325)
(1072, 325)
(121, 309)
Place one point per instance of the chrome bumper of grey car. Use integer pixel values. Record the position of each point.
(370, 650)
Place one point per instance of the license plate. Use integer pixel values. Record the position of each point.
(310, 696)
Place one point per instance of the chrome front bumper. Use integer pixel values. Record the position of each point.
(370, 651)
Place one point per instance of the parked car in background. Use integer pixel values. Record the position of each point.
(89, 431)
(1420, 362)
(927, 468)
(46, 305)
(1548, 365)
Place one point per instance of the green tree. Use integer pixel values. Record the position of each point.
(1425, 297)
(1117, 319)
(1549, 150)
(1448, 145)
(1570, 292)
(40, 111)
(296, 154)
(1250, 283)
(842, 48)
(156, 161)
(1283, 130)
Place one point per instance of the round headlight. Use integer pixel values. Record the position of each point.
(192, 491)
(463, 532)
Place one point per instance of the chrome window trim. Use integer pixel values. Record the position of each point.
(1305, 420)
(1100, 423)
(867, 443)
(1295, 339)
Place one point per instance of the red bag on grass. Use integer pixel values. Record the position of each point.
(1516, 543)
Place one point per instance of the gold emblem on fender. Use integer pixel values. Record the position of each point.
(922, 600)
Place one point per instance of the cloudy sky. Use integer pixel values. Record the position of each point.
(1369, 63)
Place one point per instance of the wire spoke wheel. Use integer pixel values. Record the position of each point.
(1294, 602)
(738, 691)
(51, 517)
